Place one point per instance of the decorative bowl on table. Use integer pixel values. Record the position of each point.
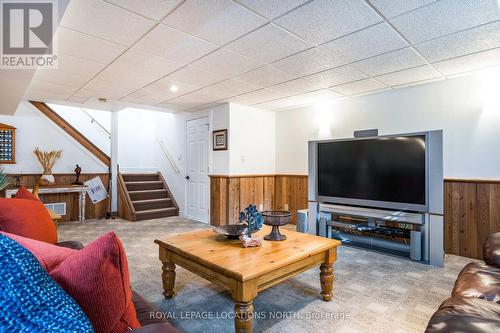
(276, 218)
(232, 231)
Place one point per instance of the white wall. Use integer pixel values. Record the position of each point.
(139, 150)
(252, 144)
(219, 119)
(35, 130)
(84, 124)
(469, 117)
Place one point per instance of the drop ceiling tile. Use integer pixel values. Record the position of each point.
(391, 8)
(314, 97)
(218, 21)
(154, 9)
(194, 77)
(59, 77)
(461, 43)
(226, 63)
(104, 20)
(257, 96)
(50, 88)
(79, 66)
(411, 75)
(122, 75)
(140, 62)
(174, 45)
(445, 17)
(276, 105)
(307, 62)
(145, 96)
(106, 89)
(267, 44)
(192, 99)
(181, 106)
(323, 20)
(359, 87)
(164, 85)
(87, 47)
(378, 39)
(469, 62)
(295, 87)
(390, 62)
(228, 88)
(265, 76)
(336, 76)
(271, 8)
(78, 100)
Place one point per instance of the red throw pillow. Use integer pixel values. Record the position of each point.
(27, 218)
(23, 193)
(97, 278)
(48, 255)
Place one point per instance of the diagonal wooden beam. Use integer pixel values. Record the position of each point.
(73, 132)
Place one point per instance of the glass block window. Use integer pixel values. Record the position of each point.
(7, 144)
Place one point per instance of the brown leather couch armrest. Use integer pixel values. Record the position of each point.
(75, 245)
(157, 328)
(491, 250)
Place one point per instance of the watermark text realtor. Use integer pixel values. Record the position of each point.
(27, 30)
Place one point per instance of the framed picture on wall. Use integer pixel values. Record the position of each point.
(220, 139)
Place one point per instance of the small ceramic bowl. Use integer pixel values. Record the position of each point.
(232, 231)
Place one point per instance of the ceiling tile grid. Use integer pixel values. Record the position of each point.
(267, 44)
(271, 8)
(366, 43)
(217, 21)
(322, 20)
(272, 53)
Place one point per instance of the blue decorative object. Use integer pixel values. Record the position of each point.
(30, 301)
(253, 219)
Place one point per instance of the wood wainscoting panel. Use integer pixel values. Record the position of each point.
(92, 211)
(291, 190)
(231, 194)
(472, 212)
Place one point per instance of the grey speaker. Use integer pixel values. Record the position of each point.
(366, 133)
(415, 245)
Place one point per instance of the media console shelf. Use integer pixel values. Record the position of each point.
(395, 232)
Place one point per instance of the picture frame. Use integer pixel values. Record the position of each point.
(220, 139)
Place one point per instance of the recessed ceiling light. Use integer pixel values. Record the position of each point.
(174, 88)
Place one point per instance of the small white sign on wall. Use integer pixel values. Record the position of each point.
(96, 190)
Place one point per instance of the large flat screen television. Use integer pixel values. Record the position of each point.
(386, 172)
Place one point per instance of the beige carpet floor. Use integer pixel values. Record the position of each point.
(373, 292)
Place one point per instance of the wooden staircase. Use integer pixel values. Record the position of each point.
(145, 196)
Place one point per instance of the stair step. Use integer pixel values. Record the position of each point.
(144, 185)
(137, 177)
(148, 194)
(141, 205)
(155, 213)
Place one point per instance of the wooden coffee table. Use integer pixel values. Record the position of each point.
(246, 271)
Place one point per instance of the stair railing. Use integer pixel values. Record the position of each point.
(168, 156)
(93, 120)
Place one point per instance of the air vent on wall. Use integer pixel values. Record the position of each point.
(59, 208)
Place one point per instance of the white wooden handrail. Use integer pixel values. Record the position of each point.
(169, 157)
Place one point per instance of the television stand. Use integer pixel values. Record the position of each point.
(406, 234)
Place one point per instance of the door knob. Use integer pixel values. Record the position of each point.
(187, 177)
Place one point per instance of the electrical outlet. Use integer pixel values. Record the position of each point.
(286, 206)
(261, 207)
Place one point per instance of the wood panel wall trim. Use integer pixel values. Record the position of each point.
(231, 194)
(92, 211)
(475, 181)
(73, 132)
(125, 207)
(257, 175)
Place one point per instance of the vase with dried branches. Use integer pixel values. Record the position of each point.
(47, 159)
(4, 179)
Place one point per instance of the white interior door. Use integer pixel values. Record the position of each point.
(198, 185)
